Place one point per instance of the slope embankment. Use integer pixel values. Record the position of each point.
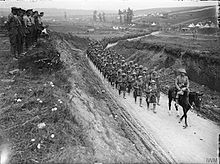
(202, 68)
(54, 108)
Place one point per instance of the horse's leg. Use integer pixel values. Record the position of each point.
(177, 110)
(186, 118)
(169, 104)
(181, 118)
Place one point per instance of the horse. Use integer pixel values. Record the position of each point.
(187, 101)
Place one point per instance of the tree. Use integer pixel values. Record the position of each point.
(65, 16)
(120, 15)
(103, 17)
(95, 16)
(125, 16)
(130, 15)
(100, 17)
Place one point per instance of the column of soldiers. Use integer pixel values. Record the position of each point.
(24, 28)
(126, 77)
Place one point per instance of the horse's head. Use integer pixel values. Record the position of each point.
(195, 99)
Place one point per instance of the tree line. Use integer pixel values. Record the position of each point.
(126, 16)
(98, 16)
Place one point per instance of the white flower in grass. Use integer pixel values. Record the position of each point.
(54, 109)
(41, 125)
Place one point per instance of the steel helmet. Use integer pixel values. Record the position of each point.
(182, 70)
(153, 82)
(123, 74)
(154, 72)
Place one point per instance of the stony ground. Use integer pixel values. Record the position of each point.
(65, 115)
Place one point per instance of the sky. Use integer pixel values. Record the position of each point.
(101, 4)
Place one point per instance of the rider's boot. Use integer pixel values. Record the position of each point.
(177, 101)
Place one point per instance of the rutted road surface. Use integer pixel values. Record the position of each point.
(196, 144)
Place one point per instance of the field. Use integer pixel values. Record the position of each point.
(64, 111)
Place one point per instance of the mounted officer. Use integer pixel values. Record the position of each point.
(181, 83)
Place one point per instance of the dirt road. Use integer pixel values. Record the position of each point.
(196, 144)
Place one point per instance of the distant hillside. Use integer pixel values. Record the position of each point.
(166, 10)
(177, 16)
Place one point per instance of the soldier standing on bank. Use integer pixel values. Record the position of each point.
(36, 26)
(12, 27)
(41, 26)
(21, 32)
(33, 27)
(28, 28)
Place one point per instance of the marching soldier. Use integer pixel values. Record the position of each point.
(123, 85)
(138, 89)
(140, 71)
(118, 80)
(154, 76)
(131, 81)
(152, 94)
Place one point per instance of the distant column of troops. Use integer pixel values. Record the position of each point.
(24, 28)
(125, 76)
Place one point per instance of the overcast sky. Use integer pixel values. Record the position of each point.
(101, 4)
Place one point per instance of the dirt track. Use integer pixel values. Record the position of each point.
(107, 128)
(141, 139)
(195, 144)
